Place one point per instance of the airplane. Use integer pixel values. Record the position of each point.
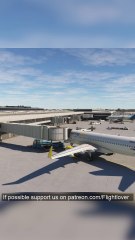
(97, 142)
(119, 118)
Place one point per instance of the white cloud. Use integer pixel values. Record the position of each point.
(9, 59)
(104, 57)
(122, 84)
(23, 84)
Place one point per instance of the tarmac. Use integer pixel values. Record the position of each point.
(23, 169)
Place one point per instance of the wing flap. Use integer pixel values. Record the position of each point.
(80, 148)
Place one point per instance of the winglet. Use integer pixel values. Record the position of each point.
(50, 152)
(69, 147)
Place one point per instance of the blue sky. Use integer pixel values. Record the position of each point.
(67, 78)
(67, 23)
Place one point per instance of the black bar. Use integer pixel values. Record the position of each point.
(67, 196)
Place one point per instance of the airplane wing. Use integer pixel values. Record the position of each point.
(80, 148)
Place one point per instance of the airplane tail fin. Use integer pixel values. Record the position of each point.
(132, 117)
(50, 152)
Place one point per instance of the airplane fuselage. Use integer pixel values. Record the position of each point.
(122, 117)
(105, 143)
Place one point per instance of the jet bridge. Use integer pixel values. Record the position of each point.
(40, 132)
